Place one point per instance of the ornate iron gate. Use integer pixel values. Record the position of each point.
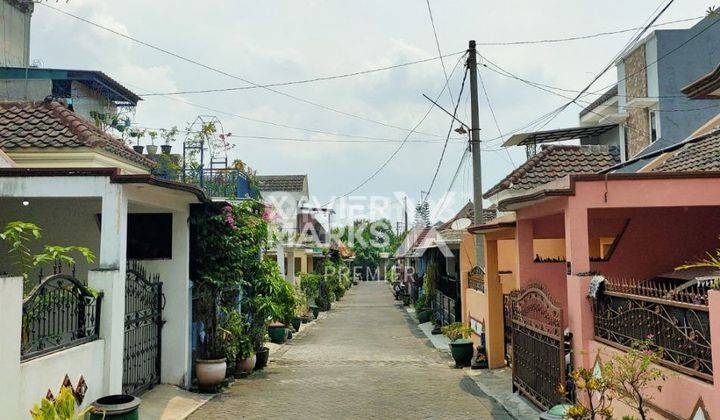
(143, 327)
(538, 346)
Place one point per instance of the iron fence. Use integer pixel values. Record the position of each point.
(680, 331)
(227, 182)
(59, 313)
(443, 308)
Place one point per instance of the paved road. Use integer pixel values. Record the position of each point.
(367, 359)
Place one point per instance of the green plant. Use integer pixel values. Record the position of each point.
(18, 235)
(62, 408)
(169, 135)
(711, 260)
(231, 330)
(310, 285)
(301, 302)
(594, 392)
(456, 331)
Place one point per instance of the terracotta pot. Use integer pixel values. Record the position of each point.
(210, 373)
(245, 366)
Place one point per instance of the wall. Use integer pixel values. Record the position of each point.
(64, 221)
(636, 87)
(16, 35)
(657, 240)
(683, 66)
(14, 89)
(48, 372)
(285, 204)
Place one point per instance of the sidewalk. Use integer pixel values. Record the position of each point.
(496, 383)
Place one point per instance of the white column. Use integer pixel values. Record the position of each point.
(280, 253)
(290, 275)
(112, 325)
(113, 232)
(11, 298)
(175, 275)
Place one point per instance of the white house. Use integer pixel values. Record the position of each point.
(136, 225)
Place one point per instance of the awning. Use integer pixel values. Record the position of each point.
(562, 134)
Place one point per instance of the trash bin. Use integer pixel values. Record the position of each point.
(118, 407)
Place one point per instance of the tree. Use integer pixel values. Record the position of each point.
(422, 214)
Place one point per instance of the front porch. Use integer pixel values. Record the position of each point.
(137, 228)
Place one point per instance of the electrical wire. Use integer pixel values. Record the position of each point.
(230, 75)
(439, 50)
(452, 124)
(304, 81)
(463, 159)
(580, 37)
(396, 151)
(494, 117)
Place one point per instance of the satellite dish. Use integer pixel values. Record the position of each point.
(461, 224)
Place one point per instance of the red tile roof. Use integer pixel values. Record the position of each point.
(51, 125)
(554, 162)
(699, 154)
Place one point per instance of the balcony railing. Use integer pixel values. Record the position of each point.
(225, 183)
(679, 328)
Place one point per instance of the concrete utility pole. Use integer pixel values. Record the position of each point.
(476, 155)
(406, 221)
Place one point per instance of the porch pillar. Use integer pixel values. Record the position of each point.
(280, 257)
(175, 275)
(494, 337)
(290, 275)
(11, 300)
(524, 241)
(579, 317)
(112, 325)
(113, 231)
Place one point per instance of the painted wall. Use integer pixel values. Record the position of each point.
(286, 205)
(15, 35)
(64, 221)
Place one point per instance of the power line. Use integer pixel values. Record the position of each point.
(452, 124)
(437, 44)
(463, 160)
(225, 73)
(494, 117)
(304, 81)
(580, 37)
(396, 151)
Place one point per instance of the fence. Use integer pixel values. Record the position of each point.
(679, 328)
(444, 308)
(59, 313)
(229, 183)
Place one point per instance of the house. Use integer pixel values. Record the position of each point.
(612, 280)
(645, 110)
(296, 249)
(46, 134)
(16, 16)
(483, 296)
(95, 192)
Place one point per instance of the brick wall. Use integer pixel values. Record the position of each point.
(636, 87)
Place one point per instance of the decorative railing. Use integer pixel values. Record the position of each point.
(57, 314)
(228, 182)
(444, 308)
(679, 329)
(693, 292)
(476, 279)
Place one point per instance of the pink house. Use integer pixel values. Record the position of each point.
(620, 235)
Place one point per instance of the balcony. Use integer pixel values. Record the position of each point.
(227, 183)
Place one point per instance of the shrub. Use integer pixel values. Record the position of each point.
(456, 331)
(62, 408)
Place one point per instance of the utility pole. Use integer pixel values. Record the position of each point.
(476, 155)
(406, 221)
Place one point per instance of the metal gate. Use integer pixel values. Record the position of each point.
(143, 327)
(538, 346)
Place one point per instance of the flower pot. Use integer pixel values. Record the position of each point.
(462, 352)
(165, 149)
(295, 322)
(210, 373)
(424, 316)
(315, 311)
(305, 319)
(116, 407)
(138, 149)
(151, 149)
(261, 358)
(246, 366)
(277, 333)
(289, 333)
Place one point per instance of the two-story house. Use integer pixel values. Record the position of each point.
(646, 109)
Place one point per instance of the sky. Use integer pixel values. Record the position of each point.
(279, 41)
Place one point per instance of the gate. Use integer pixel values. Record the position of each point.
(538, 346)
(143, 327)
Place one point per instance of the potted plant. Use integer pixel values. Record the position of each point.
(245, 359)
(136, 134)
(480, 360)
(168, 137)
(211, 364)
(277, 331)
(152, 147)
(300, 310)
(460, 347)
(60, 408)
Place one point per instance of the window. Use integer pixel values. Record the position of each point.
(298, 265)
(654, 126)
